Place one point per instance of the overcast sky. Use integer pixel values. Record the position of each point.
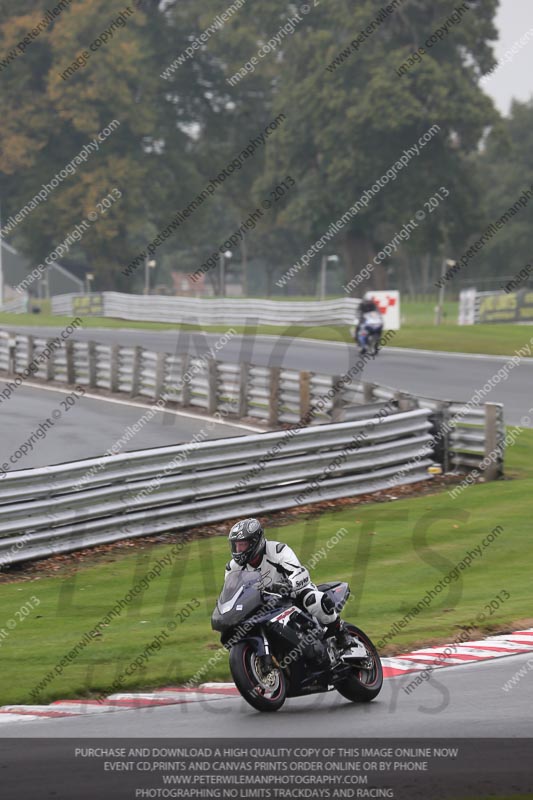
(514, 79)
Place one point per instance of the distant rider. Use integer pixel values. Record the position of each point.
(366, 307)
(277, 564)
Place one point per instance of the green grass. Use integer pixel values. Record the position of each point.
(497, 340)
(418, 330)
(384, 558)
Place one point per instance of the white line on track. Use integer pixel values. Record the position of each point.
(406, 350)
(133, 404)
(390, 350)
(314, 342)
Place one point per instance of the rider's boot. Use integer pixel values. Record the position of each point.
(339, 630)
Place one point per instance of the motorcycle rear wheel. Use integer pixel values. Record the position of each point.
(362, 685)
(265, 692)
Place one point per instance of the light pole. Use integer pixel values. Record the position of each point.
(447, 262)
(89, 277)
(223, 256)
(148, 265)
(323, 273)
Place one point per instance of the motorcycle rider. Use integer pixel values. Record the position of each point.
(365, 307)
(277, 564)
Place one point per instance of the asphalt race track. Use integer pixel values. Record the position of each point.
(460, 701)
(89, 427)
(465, 701)
(439, 375)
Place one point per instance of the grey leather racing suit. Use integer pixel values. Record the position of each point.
(280, 565)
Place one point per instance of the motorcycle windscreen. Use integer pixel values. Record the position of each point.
(239, 598)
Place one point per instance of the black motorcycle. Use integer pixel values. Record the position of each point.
(278, 650)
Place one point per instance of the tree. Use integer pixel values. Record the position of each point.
(184, 117)
(506, 170)
(54, 114)
(346, 126)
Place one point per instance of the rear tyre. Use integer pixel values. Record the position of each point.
(363, 684)
(263, 691)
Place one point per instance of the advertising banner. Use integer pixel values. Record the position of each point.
(88, 305)
(501, 307)
(389, 306)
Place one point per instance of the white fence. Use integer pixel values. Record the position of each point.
(155, 308)
(19, 305)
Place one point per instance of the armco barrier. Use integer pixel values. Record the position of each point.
(102, 500)
(466, 435)
(225, 311)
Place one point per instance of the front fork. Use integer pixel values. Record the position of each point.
(266, 657)
(262, 650)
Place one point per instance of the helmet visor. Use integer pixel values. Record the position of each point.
(241, 546)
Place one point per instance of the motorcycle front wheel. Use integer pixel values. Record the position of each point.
(265, 691)
(373, 345)
(363, 683)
